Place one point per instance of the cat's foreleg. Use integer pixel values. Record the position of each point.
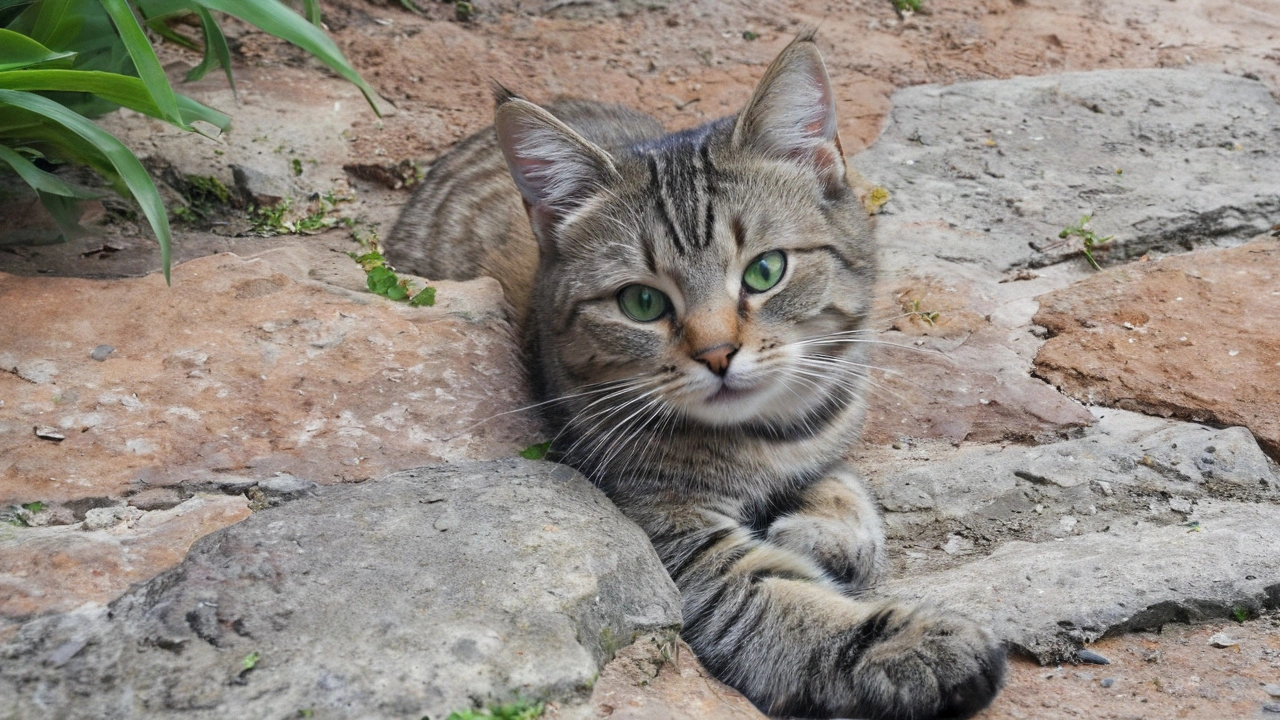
(771, 622)
(838, 526)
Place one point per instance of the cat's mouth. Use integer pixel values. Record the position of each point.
(729, 394)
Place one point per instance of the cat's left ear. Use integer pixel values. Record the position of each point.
(555, 168)
(792, 113)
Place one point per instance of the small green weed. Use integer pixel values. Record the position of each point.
(537, 451)
(382, 279)
(296, 165)
(1240, 613)
(1090, 239)
(929, 316)
(250, 661)
(750, 35)
(904, 6)
(204, 194)
(463, 11)
(278, 220)
(20, 515)
(518, 710)
(269, 221)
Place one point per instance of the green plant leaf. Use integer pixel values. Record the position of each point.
(65, 212)
(537, 451)
(144, 59)
(272, 17)
(312, 8)
(18, 51)
(216, 51)
(55, 24)
(39, 179)
(120, 89)
(425, 298)
(160, 26)
(125, 163)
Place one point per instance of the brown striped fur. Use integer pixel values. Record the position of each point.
(721, 426)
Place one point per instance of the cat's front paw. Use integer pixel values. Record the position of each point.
(932, 665)
(852, 553)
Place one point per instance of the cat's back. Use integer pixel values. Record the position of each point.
(467, 220)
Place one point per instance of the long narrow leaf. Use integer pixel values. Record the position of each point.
(216, 51)
(39, 179)
(120, 89)
(161, 27)
(312, 8)
(18, 51)
(124, 161)
(55, 24)
(272, 17)
(65, 212)
(144, 59)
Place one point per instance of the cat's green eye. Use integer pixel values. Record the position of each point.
(765, 271)
(643, 303)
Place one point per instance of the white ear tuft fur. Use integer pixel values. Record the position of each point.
(792, 113)
(554, 167)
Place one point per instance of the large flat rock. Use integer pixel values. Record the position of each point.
(1140, 522)
(429, 591)
(1047, 599)
(953, 361)
(247, 374)
(990, 172)
(1192, 336)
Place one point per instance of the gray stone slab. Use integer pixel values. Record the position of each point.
(990, 172)
(1140, 522)
(422, 593)
(1046, 599)
(1123, 452)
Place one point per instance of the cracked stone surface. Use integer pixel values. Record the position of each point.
(428, 591)
(283, 373)
(1140, 522)
(1057, 522)
(1046, 599)
(990, 172)
(1192, 336)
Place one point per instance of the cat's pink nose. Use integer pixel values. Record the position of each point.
(717, 358)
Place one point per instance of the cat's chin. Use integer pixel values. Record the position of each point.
(727, 406)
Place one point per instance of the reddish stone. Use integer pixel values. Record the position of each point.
(1193, 336)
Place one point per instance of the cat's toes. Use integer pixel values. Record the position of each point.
(851, 555)
(935, 666)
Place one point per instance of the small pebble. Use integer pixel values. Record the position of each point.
(1273, 707)
(1108, 682)
(1091, 657)
(50, 433)
(1271, 689)
(1222, 640)
(101, 352)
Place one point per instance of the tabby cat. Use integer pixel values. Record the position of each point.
(694, 307)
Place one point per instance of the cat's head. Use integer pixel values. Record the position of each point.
(718, 276)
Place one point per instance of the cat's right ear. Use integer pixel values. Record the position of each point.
(555, 168)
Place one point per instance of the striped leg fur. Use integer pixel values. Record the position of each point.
(838, 527)
(778, 623)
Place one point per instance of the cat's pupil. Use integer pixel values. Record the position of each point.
(766, 272)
